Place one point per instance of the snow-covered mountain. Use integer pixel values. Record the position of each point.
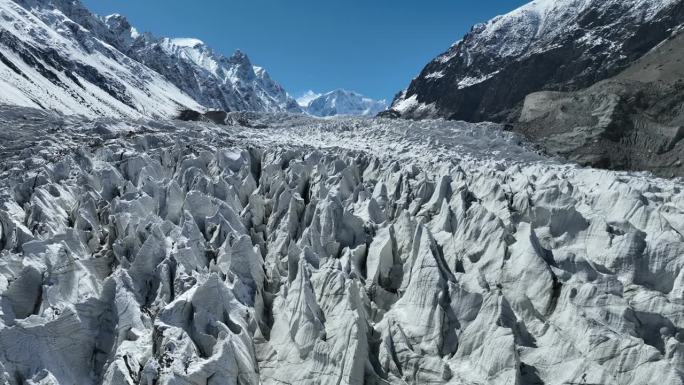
(49, 61)
(57, 55)
(634, 120)
(307, 97)
(340, 103)
(547, 44)
(215, 81)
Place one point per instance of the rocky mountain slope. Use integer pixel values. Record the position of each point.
(340, 103)
(54, 63)
(57, 55)
(634, 120)
(551, 45)
(350, 251)
(218, 82)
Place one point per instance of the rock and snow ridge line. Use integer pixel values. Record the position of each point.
(344, 251)
(47, 61)
(57, 55)
(551, 45)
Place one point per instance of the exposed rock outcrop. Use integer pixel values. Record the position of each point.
(633, 121)
(546, 45)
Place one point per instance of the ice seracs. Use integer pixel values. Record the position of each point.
(341, 251)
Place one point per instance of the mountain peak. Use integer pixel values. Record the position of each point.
(186, 42)
(342, 92)
(307, 98)
(115, 17)
(239, 57)
(340, 102)
(545, 44)
(121, 28)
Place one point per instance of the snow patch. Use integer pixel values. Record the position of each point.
(412, 105)
(435, 75)
(186, 42)
(471, 81)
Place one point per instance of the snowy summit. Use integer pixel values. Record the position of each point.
(340, 103)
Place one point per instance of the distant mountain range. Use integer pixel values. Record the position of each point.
(340, 103)
(76, 62)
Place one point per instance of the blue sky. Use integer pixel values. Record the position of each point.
(374, 47)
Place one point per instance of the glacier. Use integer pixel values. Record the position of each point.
(284, 249)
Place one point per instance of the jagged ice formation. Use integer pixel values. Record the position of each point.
(290, 250)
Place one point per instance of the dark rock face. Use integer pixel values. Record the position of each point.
(633, 121)
(218, 117)
(189, 116)
(561, 46)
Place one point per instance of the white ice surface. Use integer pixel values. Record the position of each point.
(348, 251)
